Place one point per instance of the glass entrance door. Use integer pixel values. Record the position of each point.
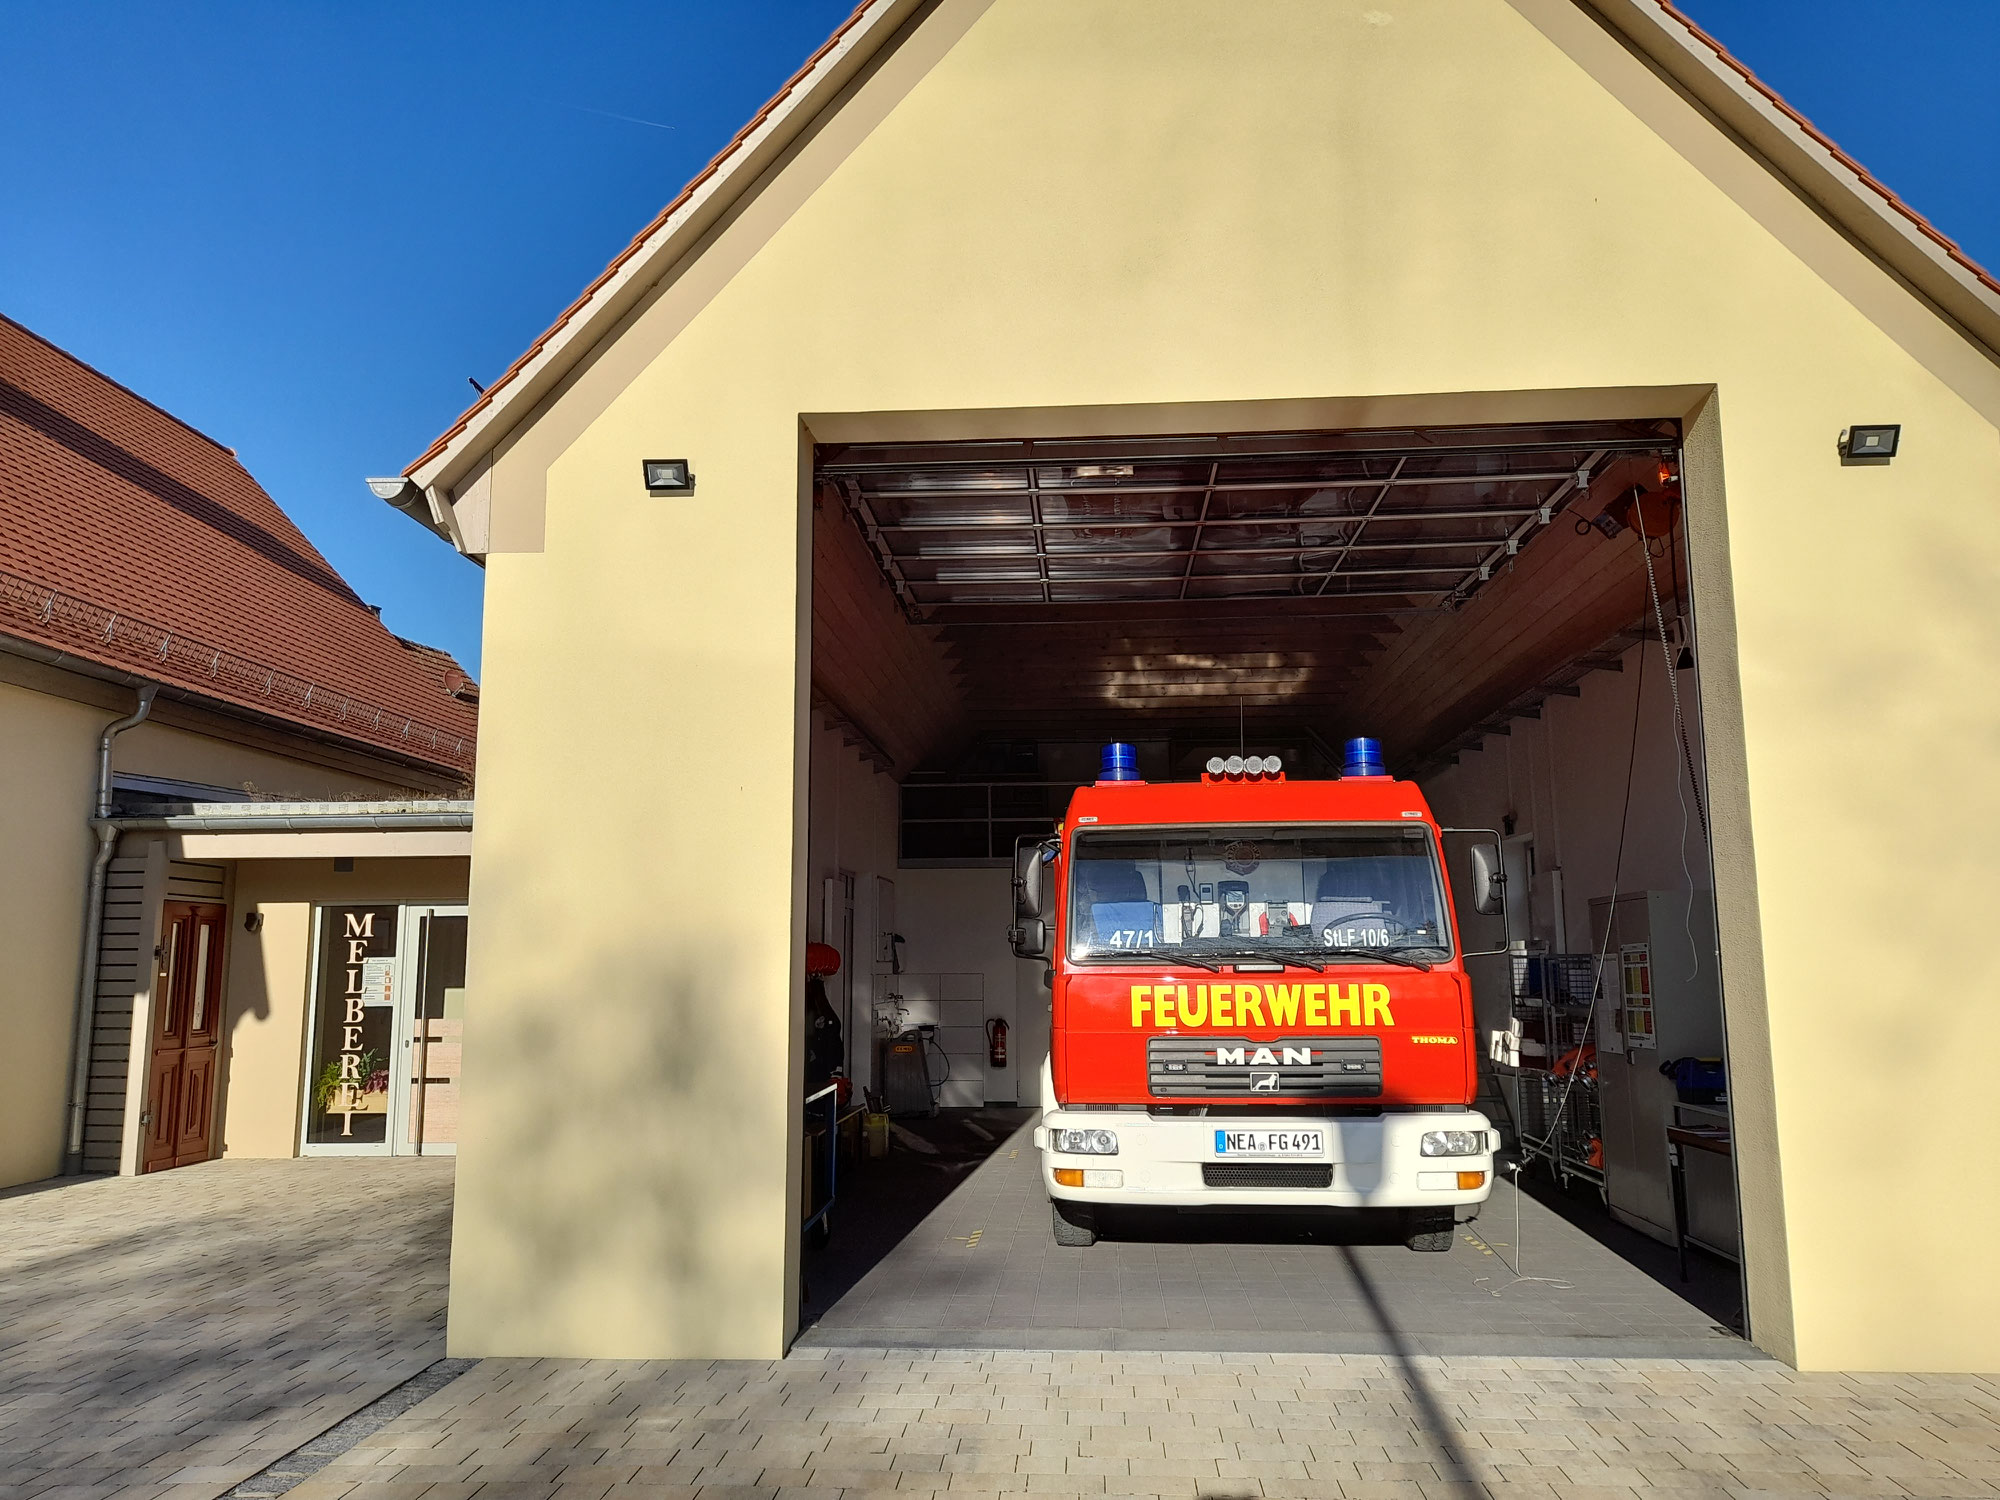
(388, 1015)
(433, 1008)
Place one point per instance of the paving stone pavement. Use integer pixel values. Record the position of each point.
(859, 1424)
(983, 1271)
(169, 1335)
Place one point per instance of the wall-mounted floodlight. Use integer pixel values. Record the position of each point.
(669, 476)
(1875, 444)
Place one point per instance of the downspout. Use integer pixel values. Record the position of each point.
(93, 917)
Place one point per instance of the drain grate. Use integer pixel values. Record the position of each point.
(309, 1458)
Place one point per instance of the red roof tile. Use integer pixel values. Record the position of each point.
(1867, 179)
(130, 539)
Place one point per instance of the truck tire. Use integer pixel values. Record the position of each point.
(1430, 1229)
(1075, 1225)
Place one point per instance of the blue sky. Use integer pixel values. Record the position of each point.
(301, 226)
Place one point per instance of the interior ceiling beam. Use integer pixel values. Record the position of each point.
(1320, 549)
(1317, 645)
(1365, 442)
(1032, 488)
(1353, 536)
(1156, 523)
(1162, 611)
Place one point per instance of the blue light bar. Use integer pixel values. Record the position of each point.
(1119, 762)
(1364, 758)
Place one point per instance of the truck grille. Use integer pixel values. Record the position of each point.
(1344, 1067)
(1250, 1174)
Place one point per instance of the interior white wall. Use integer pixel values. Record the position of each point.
(851, 826)
(1562, 778)
(955, 922)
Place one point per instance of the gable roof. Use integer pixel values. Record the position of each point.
(130, 540)
(1781, 139)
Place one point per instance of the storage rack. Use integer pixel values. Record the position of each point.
(1561, 1121)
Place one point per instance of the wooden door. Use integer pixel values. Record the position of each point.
(187, 1027)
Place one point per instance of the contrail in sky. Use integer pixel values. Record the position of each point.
(607, 114)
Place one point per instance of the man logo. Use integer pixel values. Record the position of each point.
(1263, 1083)
(1263, 1057)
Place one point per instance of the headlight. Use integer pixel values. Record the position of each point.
(1086, 1142)
(1454, 1142)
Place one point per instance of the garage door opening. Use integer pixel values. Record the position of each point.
(1507, 609)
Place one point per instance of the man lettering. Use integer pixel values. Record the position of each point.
(1193, 1012)
(1344, 1005)
(1284, 1004)
(1375, 999)
(1142, 1002)
(1249, 1006)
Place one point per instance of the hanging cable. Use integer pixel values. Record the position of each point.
(1680, 728)
(1673, 677)
(1611, 910)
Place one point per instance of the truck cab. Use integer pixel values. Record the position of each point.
(1259, 1000)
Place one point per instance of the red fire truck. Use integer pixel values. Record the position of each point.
(1260, 998)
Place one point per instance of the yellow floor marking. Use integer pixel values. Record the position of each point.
(971, 1240)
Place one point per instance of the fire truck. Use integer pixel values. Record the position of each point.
(1259, 999)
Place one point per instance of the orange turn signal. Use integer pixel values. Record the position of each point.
(1469, 1180)
(1073, 1176)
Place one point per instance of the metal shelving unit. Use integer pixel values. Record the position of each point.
(1561, 1121)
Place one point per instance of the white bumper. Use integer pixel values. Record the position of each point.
(1376, 1161)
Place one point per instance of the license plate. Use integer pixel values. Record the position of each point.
(1269, 1143)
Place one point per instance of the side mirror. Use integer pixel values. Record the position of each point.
(1029, 857)
(1489, 880)
(1030, 937)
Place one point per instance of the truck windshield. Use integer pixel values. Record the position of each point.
(1249, 893)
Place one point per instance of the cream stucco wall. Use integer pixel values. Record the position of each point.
(1141, 202)
(48, 749)
(268, 1000)
(48, 773)
(161, 750)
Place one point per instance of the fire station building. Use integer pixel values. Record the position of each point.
(1518, 382)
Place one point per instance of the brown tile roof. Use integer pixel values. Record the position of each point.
(129, 539)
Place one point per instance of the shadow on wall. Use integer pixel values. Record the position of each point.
(610, 1191)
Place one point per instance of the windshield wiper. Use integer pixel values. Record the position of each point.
(1386, 955)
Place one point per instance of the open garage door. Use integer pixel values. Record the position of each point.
(1505, 608)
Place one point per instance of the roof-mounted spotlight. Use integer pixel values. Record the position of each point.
(1875, 444)
(669, 476)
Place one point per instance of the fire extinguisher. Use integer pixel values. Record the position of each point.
(996, 1042)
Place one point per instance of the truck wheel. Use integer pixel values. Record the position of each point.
(1075, 1225)
(1430, 1229)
